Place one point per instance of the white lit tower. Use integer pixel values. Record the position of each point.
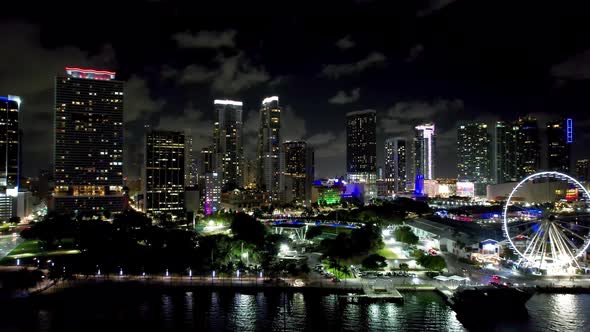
(424, 147)
(269, 148)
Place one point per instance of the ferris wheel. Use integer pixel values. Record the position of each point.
(546, 221)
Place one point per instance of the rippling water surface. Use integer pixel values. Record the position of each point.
(104, 308)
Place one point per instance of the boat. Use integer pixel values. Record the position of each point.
(490, 297)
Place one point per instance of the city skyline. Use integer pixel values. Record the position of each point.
(424, 71)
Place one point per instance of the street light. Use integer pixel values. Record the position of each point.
(284, 248)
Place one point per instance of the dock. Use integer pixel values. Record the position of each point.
(375, 294)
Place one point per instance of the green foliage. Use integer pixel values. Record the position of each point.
(248, 229)
(404, 234)
(313, 232)
(363, 240)
(374, 262)
(430, 262)
(404, 267)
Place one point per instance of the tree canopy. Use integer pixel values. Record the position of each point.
(404, 234)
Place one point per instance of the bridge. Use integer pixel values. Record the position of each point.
(299, 226)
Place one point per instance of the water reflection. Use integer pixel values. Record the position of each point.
(116, 309)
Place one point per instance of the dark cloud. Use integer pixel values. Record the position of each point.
(415, 52)
(330, 153)
(433, 6)
(192, 121)
(139, 105)
(205, 39)
(342, 97)
(230, 75)
(338, 70)
(345, 43)
(574, 68)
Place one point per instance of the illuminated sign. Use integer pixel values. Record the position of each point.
(571, 195)
(465, 189)
(569, 130)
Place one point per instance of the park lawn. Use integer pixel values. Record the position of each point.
(387, 253)
(32, 248)
(27, 246)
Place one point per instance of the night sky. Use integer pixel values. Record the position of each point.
(441, 60)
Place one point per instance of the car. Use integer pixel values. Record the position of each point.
(496, 278)
(536, 273)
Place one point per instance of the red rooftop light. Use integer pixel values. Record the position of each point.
(99, 72)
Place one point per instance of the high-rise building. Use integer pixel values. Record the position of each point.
(227, 142)
(424, 150)
(206, 161)
(473, 155)
(583, 169)
(361, 150)
(499, 167)
(88, 154)
(250, 172)
(212, 193)
(297, 172)
(9, 155)
(269, 147)
(528, 154)
(395, 163)
(559, 140)
(516, 150)
(190, 161)
(164, 174)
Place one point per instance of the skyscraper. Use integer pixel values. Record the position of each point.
(250, 172)
(212, 193)
(227, 142)
(425, 147)
(395, 163)
(559, 139)
(190, 161)
(88, 154)
(297, 172)
(9, 155)
(269, 146)
(583, 169)
(500, 159)
(206, 161)
(473, 155)
(164, 178)
(361, 150)
(528, 154)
